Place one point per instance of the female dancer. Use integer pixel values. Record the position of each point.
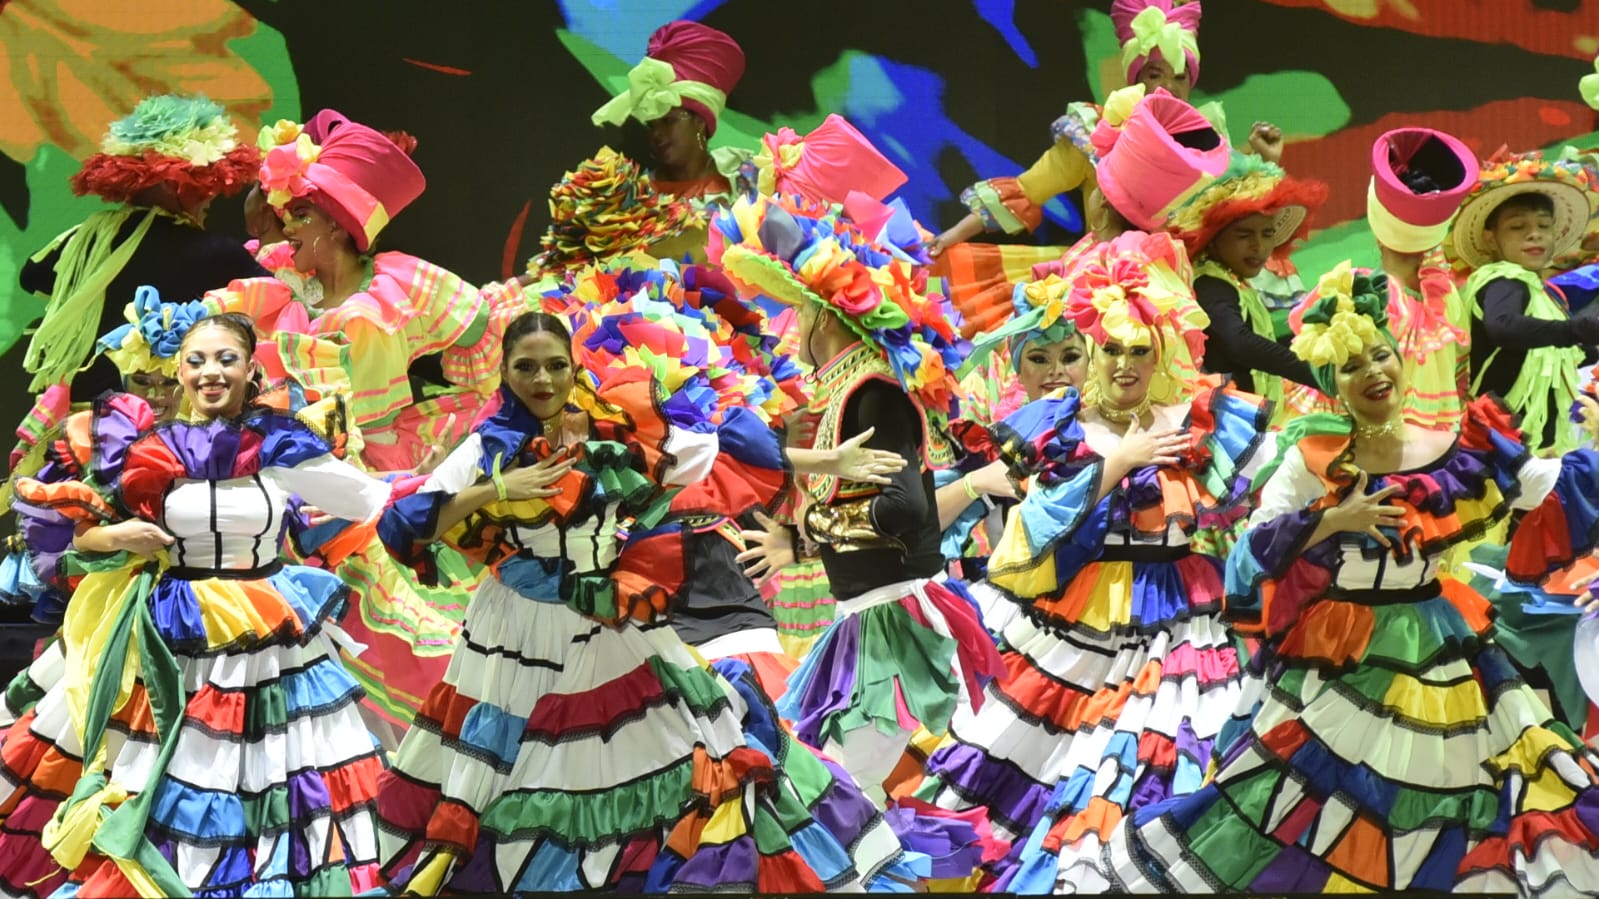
(1046, 354)
(1395, 747)
(1119, 673)
(57, 445)
(416, 347)
(576, 743)
(679, 91)
(204, 733)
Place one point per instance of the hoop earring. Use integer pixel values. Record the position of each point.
(702, 138)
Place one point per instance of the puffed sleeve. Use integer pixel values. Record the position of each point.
(302, 463)
(1060, 523)
(1272, 572)
(1014, 205)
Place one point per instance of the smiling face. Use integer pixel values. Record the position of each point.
(1371, 383)
(1157, 72)
(1124, 373)
(164, 394)
(539, 372)
(214, 367)
(1245, 245)
(1047, 367)
(317, 239)
(1522, 231)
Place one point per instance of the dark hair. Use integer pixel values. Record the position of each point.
(1528, 202)
(237, 323)
(534, 323)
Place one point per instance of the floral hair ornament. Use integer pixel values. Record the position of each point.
(185, 141)
(1038, 309)
(796, 252)
(149, 342)
(287, 153)
(1344, 315)
(1137, 290)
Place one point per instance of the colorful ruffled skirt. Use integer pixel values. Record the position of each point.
(760, 653)
(897, 658)
(1395, 748)
(1112, 696)
(563, 754)
(263, 780)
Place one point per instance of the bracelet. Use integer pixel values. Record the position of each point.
(498, 479)
(971, 494)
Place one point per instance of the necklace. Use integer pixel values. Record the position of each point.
(1388, 428)
(1118, 415)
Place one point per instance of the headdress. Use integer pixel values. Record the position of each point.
(1568, 185)
(1036, 317)
(1156, 152)
(153, 334)
(826, 165)
(797, 252)
(1169, 27)
(1250, 186)
(359, 176)
(1138, 291)
(1345, 314)
(685, 64)
(188, 142)
(1419, 177)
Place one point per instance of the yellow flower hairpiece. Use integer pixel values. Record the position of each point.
(1335, 328)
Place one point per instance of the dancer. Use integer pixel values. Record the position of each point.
(679, 91)
(197, 677)
(161, 165)
(576, 743)
(1119, 673)
(1523, 212)
(56, 446)
(416, 347)
(1419, 176)
(423, 344)
(1160, 51)
(1250, 214)
(904, 648)
(1395, 747)
(1047, 354)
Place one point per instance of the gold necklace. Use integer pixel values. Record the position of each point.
(1388, 428)
(1117, 415)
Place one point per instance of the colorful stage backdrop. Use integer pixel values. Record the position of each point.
(499, 93)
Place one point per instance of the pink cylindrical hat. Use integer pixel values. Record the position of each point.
(1164, 154)
(361, 177)
(1161, 28)
(1419, 178)
(699, 53)
(826, 165)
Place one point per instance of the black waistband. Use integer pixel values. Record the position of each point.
(185, 573)
(1143, 552)
(1417, 593)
